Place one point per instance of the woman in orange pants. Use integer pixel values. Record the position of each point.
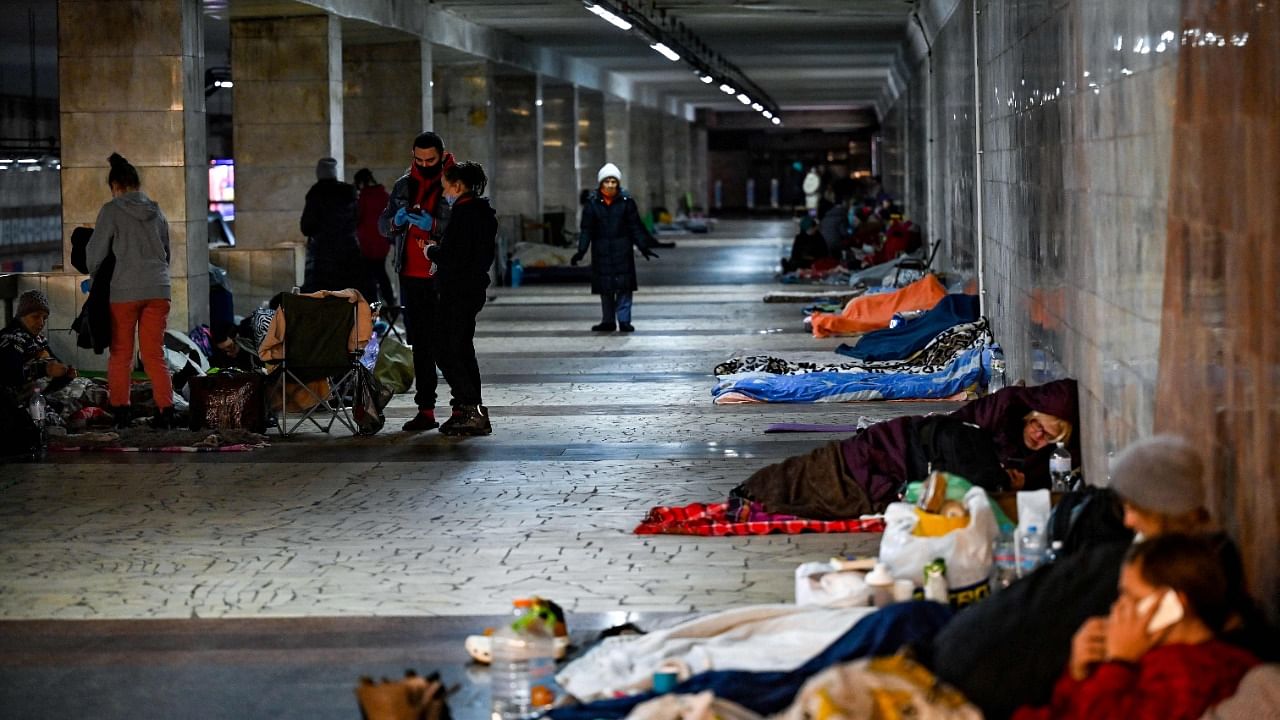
(132, 229)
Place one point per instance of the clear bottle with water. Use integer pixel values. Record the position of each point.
(523, 664)
(1060, 468)
(996, 369)
(1031, 551)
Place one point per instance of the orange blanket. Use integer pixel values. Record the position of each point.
(873, 312)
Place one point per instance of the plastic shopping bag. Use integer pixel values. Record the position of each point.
(394, 367)
(967, 551)
(368, 400)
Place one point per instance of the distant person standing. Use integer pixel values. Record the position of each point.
(611, 227)
(374, 246)
(329, 222)
(414, 218)
(132, 228)
(463, 257)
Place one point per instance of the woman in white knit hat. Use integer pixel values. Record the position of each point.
(611, 227)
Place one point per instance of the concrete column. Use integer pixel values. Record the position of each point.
(463, 117)
(288, 114)
(675, 162)
(639, 166)
(591, 137)
(617, 135)
(699, 171)
(386, 103)
(136, 90)
(516, 183)
(560, 149)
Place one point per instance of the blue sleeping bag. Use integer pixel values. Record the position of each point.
(909, 338)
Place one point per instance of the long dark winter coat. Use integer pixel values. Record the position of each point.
(466, 251)
(611, 231)
(329, 222)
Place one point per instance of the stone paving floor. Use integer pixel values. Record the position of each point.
(589, 432)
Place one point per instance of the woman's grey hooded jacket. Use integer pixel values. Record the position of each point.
(132, 227)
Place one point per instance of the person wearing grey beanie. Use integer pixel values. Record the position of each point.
(329, 223)
(25, 356)
(1161, 482)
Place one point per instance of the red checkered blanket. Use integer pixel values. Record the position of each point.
(742, 518)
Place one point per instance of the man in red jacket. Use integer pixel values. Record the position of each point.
(374, 246)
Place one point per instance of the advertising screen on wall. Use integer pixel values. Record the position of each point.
(222, 194)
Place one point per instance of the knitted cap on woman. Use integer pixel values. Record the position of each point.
(609, 171)
(1163, 474)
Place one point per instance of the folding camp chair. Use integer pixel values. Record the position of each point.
(917, 264)
(316, 336)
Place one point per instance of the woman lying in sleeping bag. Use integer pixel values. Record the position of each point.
(1001, 442)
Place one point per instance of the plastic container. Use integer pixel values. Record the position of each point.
(522, 671)
(935, 581)
(36, 407)
(1004, 565)
(1031, 551)
(881, 584)
(995, 369)
(1060, 468)
(517, 273)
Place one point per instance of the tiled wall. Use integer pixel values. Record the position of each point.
(1220, 335)
(1076, 117)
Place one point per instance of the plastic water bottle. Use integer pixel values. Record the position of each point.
(1031, 547)
(36, 407)
(523, 663)
(995, 375)
(517, 273)
(1060, 468)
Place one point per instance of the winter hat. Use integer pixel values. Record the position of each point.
(32, 301)
(327, 169)
(609, 171)
(1163, 474)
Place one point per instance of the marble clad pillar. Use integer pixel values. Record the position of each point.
(640, 179)
(591, 136)
(617, 136)
(288, 114)
(675, 162)
(136, 90)
(463, 113)
(386, 103)
(560, 148)
(698, 172)
(516, 185)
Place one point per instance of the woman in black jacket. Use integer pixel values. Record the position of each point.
(610, 227)
(463, 258)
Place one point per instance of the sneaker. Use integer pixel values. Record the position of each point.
(604, 327)
(626, 327)
(472, 421)
(423, 421)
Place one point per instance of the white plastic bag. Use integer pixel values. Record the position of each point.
(967, 551)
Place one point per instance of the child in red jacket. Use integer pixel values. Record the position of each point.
(1154, 658)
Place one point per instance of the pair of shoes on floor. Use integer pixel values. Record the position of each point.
(610, 327)
(480, 647)
(423, 421)
(468, 420)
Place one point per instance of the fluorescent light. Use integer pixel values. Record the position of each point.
(767, 114)
(777, 121)
(223, 83)
(28, 161)
(538, 102)
(609, 17)
(665, 51)
(6, 161)
(742, 98)
(757, 107)
(707, 79)
(727, 89)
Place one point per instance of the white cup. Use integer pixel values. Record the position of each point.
(903, 590)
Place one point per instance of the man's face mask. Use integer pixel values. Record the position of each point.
(426, 160)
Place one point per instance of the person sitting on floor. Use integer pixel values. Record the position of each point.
(25, 357)
(864, 473)
(227, 353)
(807, 247)
(1158, 489)
(1143, 662)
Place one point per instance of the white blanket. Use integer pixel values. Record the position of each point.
(758, 637)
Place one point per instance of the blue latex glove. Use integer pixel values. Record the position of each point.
(423, 220)
(402, 217)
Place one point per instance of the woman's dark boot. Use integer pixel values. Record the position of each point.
(604, 327)
(164, 419)
(121, 415)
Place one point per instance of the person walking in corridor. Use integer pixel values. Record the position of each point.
(371, 201)
(414, 218)
(133, 229)
(463, 258)
(610, 228)
(329, 223)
